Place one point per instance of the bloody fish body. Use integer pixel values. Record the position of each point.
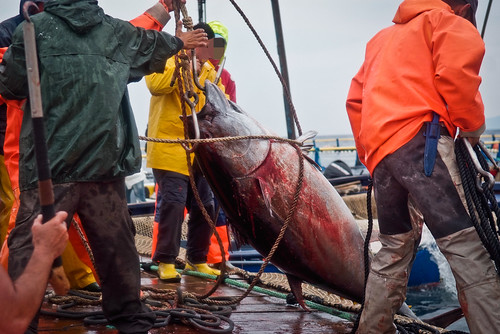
(255, 181)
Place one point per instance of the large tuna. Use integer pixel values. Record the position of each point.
(255, 181)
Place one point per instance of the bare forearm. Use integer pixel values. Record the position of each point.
(22, 298)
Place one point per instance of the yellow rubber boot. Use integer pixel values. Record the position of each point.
(167, 273)
(203, 268)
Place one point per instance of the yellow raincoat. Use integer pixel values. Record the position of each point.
(164, 121)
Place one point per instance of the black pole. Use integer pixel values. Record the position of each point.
(202, 11)
(284, 69)
(483, 30)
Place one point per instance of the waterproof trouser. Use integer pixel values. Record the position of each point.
(214, 251)
(387, 281)
(478, 284)
(176, 194)
(104, 215)
(440, 199)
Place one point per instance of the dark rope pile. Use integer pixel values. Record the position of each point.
(482, 202)
(170, 306)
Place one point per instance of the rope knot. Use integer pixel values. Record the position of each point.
(188, 23)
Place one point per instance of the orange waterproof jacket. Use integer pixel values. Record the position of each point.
(429, 60)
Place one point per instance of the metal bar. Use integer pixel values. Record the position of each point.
(284, 68)
(58, 278)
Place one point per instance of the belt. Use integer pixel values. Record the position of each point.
(443, 131)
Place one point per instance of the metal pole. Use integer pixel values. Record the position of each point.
(284, 69)
(58, 278)
(486, 18)
(202, 11)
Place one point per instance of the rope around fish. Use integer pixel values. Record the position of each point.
(207, 217)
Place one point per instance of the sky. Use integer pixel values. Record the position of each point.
(324, 42)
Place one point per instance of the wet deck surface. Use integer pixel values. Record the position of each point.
(257, 313)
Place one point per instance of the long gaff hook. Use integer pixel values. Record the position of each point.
(195, 72)
(219, 71)
(488, 155)
(192, 105)
(479, 169)
(26, 8)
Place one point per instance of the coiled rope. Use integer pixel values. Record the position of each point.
(481, 204)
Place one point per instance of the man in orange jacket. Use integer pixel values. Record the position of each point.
(424, 67)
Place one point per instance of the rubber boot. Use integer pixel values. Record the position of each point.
(167, 273)
(386, 287)
(478, 284)
(203, 268)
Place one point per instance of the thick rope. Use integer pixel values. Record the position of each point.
(278, 73)
(218, 140)
(288, 219)
(366, 250)
(480, 204)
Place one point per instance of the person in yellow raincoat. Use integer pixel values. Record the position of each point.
(170, 169)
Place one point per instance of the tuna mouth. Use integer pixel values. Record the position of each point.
(205, 118)
(216, 97)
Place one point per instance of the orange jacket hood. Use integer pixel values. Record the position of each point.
(409, 9)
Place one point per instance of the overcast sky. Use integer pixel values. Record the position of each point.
(324, 41)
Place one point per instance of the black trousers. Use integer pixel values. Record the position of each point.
(401, 174)
(176, 194)
(103, 211)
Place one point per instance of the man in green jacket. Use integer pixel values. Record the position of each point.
(86, 60)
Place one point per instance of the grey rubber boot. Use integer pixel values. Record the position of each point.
(386, 287)
(478, 284)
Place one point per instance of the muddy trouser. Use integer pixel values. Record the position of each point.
(176, 194)
(440, 199)
(103, 211)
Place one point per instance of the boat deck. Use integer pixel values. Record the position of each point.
(264, 310)
(257, 313)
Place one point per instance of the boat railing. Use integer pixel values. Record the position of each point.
(346, 144)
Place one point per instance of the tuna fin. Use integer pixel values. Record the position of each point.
(306, 148)
(267, 194)
(445, 319)
(305, 136)
(296, 287)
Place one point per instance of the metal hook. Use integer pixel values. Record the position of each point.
(195, 73)
(192, 105)
(219, 71)
(26, 8)
(488, 154)
(479, 169)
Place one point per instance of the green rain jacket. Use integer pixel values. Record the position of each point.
(86, 59)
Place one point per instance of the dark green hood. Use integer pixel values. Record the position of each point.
(80, 15)
(86, 59)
